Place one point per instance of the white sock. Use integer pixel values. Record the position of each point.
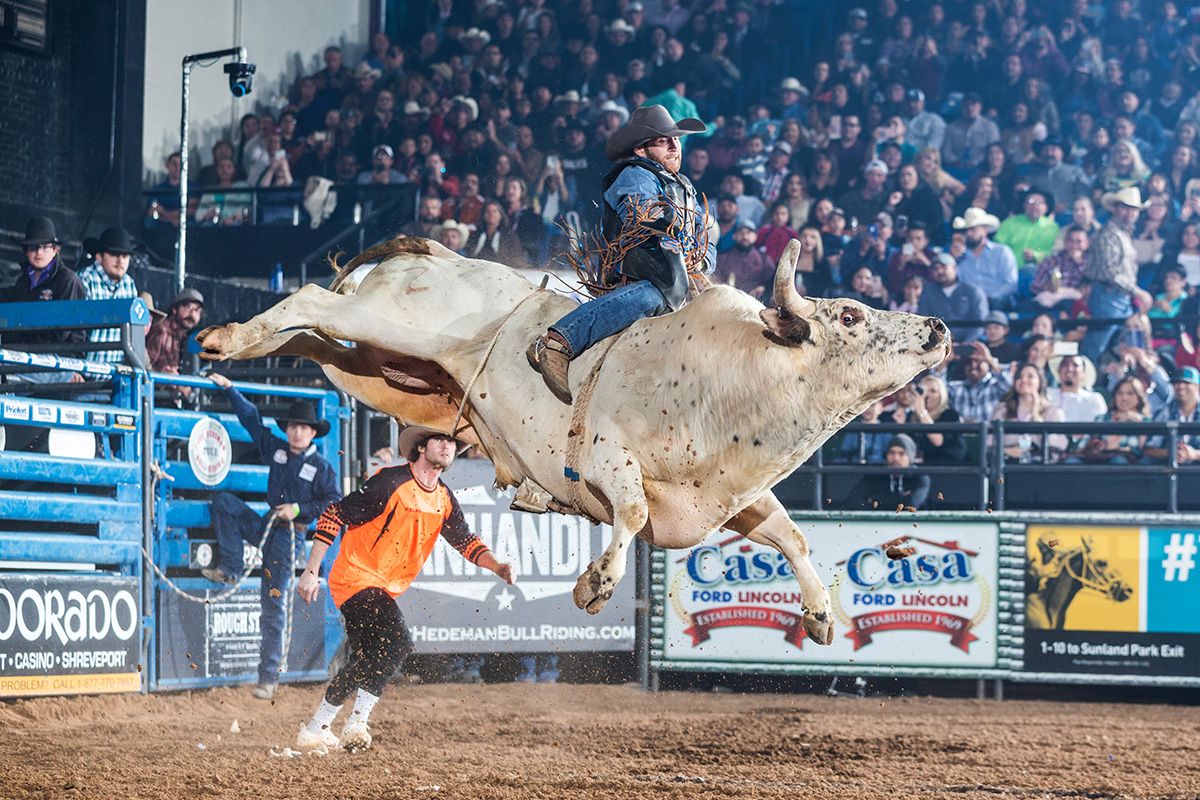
(363, 703)
(323, 717)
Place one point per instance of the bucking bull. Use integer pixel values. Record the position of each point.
(680, 426)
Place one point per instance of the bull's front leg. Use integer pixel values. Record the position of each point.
(766, 521)
(624, 490)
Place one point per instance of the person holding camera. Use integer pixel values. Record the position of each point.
(381, 172)
(925, 402)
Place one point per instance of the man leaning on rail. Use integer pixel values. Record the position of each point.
(300, 485)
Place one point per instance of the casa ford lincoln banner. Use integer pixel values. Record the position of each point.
(68, 634)
(455, 607)
(730, 600)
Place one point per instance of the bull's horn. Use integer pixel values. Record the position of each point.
(786, 296)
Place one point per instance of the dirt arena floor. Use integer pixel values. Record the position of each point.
(513, 742)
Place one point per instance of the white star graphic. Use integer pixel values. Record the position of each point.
(505, 599)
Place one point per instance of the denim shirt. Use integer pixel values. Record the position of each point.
(641, 184)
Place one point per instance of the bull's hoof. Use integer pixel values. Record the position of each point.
(587, 593)
(215, 341)
(819, 627)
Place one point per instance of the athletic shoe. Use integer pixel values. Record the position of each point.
(355, 737)
(307, 740)
(218, 575)
(264, 691)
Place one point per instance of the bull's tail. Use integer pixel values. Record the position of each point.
(401, 245)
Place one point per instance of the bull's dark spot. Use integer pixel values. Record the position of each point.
(757, 443)
(736, 439)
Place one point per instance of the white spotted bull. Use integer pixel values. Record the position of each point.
(691, 418)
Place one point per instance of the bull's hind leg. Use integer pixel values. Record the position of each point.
(619, 476)
(346, 317)
(766, 522)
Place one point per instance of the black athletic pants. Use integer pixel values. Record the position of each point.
(377, 642)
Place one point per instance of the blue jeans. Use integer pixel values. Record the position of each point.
(1105, 302)
(235, 522)
(609, 315)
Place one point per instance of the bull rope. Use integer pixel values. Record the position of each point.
(262, 543)
(575, 434)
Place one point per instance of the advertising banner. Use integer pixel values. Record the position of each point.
(68, 634)
(456, 607)
(223, 639)
(1109, 600)
(730, 600)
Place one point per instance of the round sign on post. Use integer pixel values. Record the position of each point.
(209, 451)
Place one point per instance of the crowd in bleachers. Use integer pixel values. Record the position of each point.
(1027, 166)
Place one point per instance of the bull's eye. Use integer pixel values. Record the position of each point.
(850, 318)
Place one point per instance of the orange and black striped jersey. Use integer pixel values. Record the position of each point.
(392, 524)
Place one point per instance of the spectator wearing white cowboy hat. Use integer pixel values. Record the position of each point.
(1112, 269)
(452, 234)
(1074, 393)
(792, 95)
(985, 264)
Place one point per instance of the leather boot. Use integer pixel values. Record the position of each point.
(549, 356)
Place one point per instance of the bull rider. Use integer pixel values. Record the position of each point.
(647, 154)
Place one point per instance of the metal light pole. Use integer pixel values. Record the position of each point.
(189, 63)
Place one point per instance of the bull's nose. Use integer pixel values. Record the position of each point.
(937, 333)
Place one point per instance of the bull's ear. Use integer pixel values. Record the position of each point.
(784, 328)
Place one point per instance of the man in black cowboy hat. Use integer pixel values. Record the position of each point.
(300, 485)
(647, 155)
(108, 278)
(44, 277)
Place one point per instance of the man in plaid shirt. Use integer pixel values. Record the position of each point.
(976, 397)
(109, 279)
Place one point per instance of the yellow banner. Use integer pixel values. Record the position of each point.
(1082, 578)
(33, 685)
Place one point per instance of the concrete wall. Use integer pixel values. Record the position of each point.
(283, 37)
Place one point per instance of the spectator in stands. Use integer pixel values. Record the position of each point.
(43, 277)
(1129, 405)
(745, 265)
(915, 199)
(108, 278)
(976, 396)
(953, 300)
(795, 195)
(867, 287)
(858, 447)
(813, 272)
(1074, 394)
(1151, 232)
(453, 235)
(995, 336)
(916, 257)
(492, 240)
(1026, 401)
(1112, 270)
(775, 234)
(968, 137)
(1169, 302)
(164, 340)
(909, 299)
(1064, 182)
(1183, 407)
(429, 216)
(897, 490)
(527, 226)
(986, 265)
(1031, 234)
(382, 172)
(162, 204)
(219, 205)
(1125, 168)
(866, 201)
(749, 207)
(981, 193)
(872, 249)
(925, 402)
(728, 222)
(300, 484)
(925, 128)
(1059, 278)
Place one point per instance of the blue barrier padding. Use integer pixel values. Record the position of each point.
(241, 478)
(75, 508)
(94, 369)
(74, 471)
(39, 413)
(194, 513)
(73, 314)
(67, 547)
(175, 424)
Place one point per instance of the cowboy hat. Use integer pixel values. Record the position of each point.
(365, 70)
(570, 96)
(1129, 196)
(39, 230)
(443, 70)
(116, 241)
(1089, 369)
(792, 85)
(415, 435)
(148, 299)
(975, 217)
(464, 230)
(414, 109)
(469, 103)
(475, 33)
(648, 122)
(621, 26)
(612, 106)
(303, 413)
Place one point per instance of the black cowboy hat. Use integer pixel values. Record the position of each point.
(648, 122)
(116, 241)
(304, 413)
(39, 230)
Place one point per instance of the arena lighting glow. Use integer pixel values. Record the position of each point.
(241, 80)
